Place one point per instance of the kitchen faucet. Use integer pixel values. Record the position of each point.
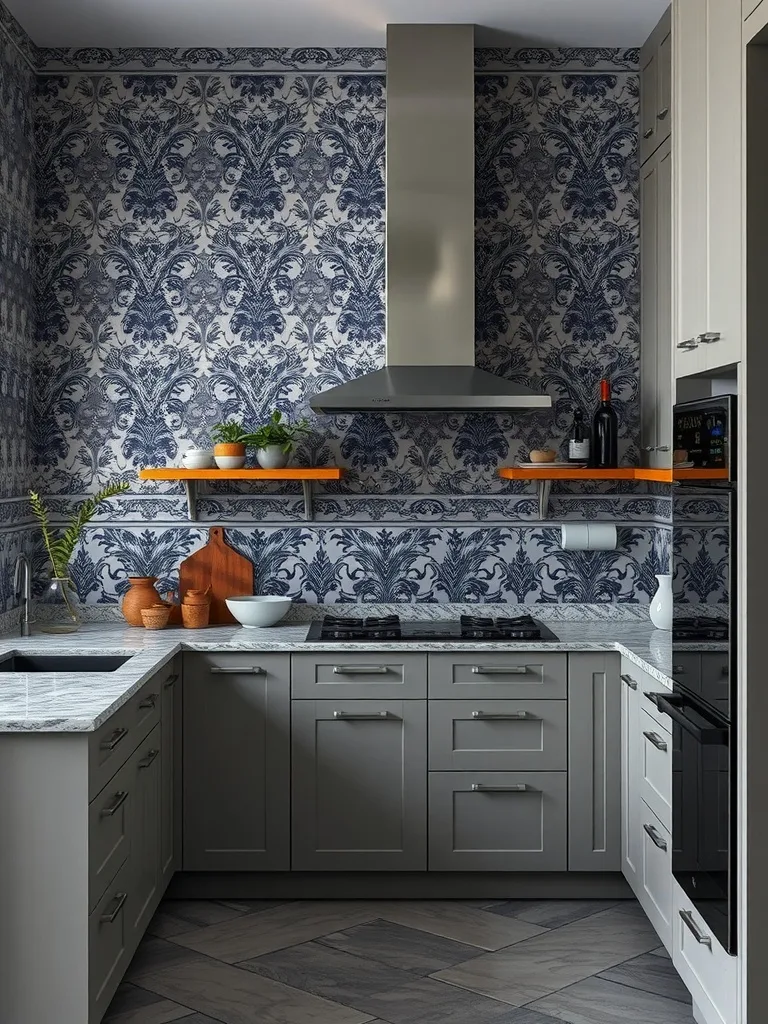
(22, 586)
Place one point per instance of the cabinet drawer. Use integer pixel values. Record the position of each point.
(111, 745)
(656, 890)
(497, 821)
(350, 674)
(709, 973)
(519, 674)
(498, 735)
(109, 832)
(656, 766)
(109, 943)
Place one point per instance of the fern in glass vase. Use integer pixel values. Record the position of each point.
(60, 602)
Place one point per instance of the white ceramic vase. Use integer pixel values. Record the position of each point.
(272, 457)
(661, 604)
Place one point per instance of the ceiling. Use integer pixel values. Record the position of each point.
(229, 23)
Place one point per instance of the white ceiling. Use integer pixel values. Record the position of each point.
(226, 23)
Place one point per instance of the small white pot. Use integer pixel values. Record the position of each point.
(272, 457)
(661, 604)
(229, 461)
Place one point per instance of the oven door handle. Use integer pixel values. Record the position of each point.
(716, 736)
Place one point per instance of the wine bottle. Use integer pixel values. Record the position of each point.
(578, 443)
(605, 433)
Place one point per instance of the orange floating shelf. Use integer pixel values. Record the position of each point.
(190, 478)
(564, 473)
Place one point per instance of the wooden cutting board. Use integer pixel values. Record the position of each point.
(220, 567)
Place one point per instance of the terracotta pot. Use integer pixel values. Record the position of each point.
(229, 456)
(195, 616)
(156, 617)
(196, 598)
(142, 594)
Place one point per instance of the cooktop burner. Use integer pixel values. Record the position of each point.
(391, 627)
(699, 629)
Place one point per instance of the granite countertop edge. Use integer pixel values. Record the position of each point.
(71, 703)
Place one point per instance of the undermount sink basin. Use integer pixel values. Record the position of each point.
(62, 662)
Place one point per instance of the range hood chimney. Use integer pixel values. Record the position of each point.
(430, 288)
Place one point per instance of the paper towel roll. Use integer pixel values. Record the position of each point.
(588, 537)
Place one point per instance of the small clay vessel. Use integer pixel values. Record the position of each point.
(196, 609)
(141, 594)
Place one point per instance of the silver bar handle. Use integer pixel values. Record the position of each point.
(655, 739)
(663, 448)
(149, 702)
(114, 739)
(499, 670)
(689, 344)
(361, 716)
(147, 761)
(117, 906)
(656, 839)
(520, 787)
(709, 337)
(701, 937)
(171, 681)
(245, 670)
(664, 112)
(359, 670)
(631, 683)
(518, 716)
(648, 133)
(117, 803)
(650, 448)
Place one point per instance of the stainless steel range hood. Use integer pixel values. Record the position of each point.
(430, 212)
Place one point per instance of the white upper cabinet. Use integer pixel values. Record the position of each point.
(708, 184)
(656, 91)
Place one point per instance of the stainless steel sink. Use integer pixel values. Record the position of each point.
(62, 662)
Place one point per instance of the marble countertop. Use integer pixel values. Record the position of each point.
(71, 702)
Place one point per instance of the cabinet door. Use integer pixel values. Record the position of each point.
(664, 60)
(656, 892)
(649, 97)
(631, 825)
(144, 859)
(649, 302)
(498, 821)
(236, 786)
(662, 457)
(359, 777)
(594, 757)
(170, 774)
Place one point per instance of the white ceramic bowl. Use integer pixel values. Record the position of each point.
(191, 460)
(230, 461)
(254, 612)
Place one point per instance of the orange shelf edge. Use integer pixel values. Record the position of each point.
(518, 473)
(179, 473)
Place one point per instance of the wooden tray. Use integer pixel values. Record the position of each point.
(226, 571)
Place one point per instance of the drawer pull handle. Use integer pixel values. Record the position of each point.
(148, 759)
(655, 837)
(663, 113)
(244, 670)
(663, 448)
(499, 670)
(518, 787)
(678, 670)
(517, 716)
(114, 739)
(362, 716)
(689, 344)
(148, 703)
(701, 937)
(631, 683)
(656, 740)
(709, 338)
(359, 670)
(648, 133)
(117, 906)
(171, 681)
(117, 803)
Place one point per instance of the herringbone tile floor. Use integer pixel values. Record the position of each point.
(401, 962)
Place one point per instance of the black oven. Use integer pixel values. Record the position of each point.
(702, 705)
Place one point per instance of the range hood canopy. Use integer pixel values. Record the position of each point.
(430, 211)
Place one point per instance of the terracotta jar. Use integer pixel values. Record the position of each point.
(141, 594)
(195, 609)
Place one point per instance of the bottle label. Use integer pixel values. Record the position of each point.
(578, 451)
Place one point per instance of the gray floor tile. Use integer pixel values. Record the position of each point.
(595, 1001)
(154, 954)
(235, 996)
(545, 963)
(132, 1005)
(454, 921)
(650, 974)
(551, 913)
(201, 913)
(661, 951)
(411, 950)
(382, 991)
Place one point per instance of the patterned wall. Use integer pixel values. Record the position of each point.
(17, 305)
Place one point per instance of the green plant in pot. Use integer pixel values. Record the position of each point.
(275, 440)
(59, 604)
(229, 441)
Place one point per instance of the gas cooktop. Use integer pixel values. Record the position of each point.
(391, 627)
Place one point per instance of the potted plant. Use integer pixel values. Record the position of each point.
(60, 602)
(229, 440)
(275, 440)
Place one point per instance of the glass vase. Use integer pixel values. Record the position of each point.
(58, 608)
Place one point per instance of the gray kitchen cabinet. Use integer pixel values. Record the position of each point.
(498, 821)
(631, 773)
(749, 7)
(236, 784)
(656, 87)
(144, 861)
(594, 762)
(491, 675)
(170, 773)
(498, 735)
(656, 883)
(656, 769)
(352, 674)
(359, 779)
(111, 942)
